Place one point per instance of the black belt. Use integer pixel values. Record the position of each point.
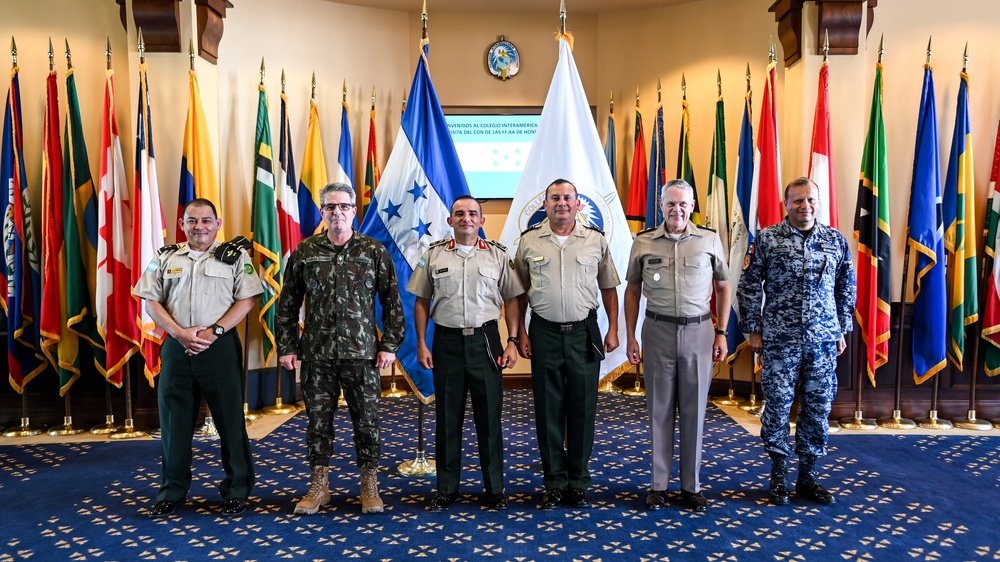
(561, 326)
(682, 320)
(462, 331)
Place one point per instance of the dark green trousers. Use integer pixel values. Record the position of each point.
(461, 368)
(215, 373)
(564, 383)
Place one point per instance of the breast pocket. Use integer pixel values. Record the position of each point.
(445, 281)
(586, 269)
(488, 283)
(697, 271)
(314, 271)
(221, 278)
(539, 268)
(361, 275)
(658, 275)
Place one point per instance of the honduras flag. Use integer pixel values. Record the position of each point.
(742, 224)
(411, 202)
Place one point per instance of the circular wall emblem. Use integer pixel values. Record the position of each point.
(502, 59)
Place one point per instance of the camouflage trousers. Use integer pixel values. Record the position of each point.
(808, 369)
(321, 382)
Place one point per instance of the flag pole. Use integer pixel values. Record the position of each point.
(636, 390)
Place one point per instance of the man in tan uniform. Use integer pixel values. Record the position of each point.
(674, 266)
(562, 264)
(461, 283)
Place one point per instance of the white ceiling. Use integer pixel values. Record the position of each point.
(515, 6)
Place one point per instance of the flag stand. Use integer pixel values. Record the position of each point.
(129, 431)
(970, 421)
(393, 392)
(419, 466)
(752, 407)
(730, 399)
(636, 390)
(109, 419)
(859, 421)
(279, 408)
(896, 420)
(248, 414)
(25, 429)
(932, 421)
(67, 427)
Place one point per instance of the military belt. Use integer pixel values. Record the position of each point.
(560, 326)
(681, 320)
(463, 331)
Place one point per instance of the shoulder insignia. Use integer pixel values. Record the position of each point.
(439, 243)
(229, 252)
(242, 242)
(594, 228)
(497, 245)
(169, 248)
(703, 227)
(647, 230)
(530, 228)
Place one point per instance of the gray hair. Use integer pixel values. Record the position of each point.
(679, 184)
(335, 187)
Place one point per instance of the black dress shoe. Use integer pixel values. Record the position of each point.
(164, 508)
(441, 502)
(578, 497)
(695, 501)
(552, 498)
(777, 494)
(656, 500)
(234, 507)
(498, 501)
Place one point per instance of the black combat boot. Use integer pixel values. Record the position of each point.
(778, 492)
(806, 486)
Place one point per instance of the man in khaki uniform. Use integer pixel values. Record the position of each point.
(461, 283)
(675, 266)
(197, 292)
(562, 264)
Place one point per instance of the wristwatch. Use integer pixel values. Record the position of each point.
(515, 340)
(217, 330)
(723, 333)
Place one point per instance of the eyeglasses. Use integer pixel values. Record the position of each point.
(331, 207)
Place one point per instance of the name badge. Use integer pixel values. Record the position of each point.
(442, 270)
(654, 261)
(173, 270)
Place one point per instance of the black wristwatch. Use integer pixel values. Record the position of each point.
(516, 340)
(218, 330)
(723, 333)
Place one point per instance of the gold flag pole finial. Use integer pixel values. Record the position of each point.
(637, 97)
(344, 98)
(748, 77)
(562, 16)
(881, 48)
(659, 93)
(261, 71)
(69, 57)
(423, 21)
(282, 80)
(718, 80)
(13, 52)
(611, 102)
(52, 57)
(107, 50)
(373, 97)
(826, 44)
(965, 59)
(771, 58)
(929, 50)
(313, 94)
(142, 47)
(684, 87)
(191, 58)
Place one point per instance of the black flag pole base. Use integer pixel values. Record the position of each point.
(858, 423)
(729, 400)
(393, 391)
(127, 432)
(932, 421)
(896, 421)
(970, 422)
(107, 427)
(66, 428)
(278, 408)
(24, 430)
(834, 427)
(419, 467)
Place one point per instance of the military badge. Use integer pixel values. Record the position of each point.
(502, 59)
(248, 269)
(369, 283)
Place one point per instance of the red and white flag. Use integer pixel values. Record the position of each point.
(766, 191)
(821, 157)
(991, 308)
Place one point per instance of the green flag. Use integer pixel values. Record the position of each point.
(264, 225)
(717, 216)
(684, 170)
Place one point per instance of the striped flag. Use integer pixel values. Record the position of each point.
(289, 226)
(684, 169)
(991, 308)
(717, 215)
(766, 191)
(635, 211)
(345, 157)
(372, 172)
(925, 234)
(657, 170)
(80, 229)
(147, 217)
(22, 268)
(610, 149)
(313, 176)
(821, 156)
(264, 225)
(198, 177)
(871, 230)
(959, 212)
(116, 309)
(742, 222)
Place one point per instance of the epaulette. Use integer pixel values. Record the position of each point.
(651, 229)
(439, 243)
(530, 228)
(594, 228)
(498, 245)
(703, 227)
(229, 252)
(169, 248)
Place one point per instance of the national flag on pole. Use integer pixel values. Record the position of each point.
(742, 222)
(717, 215)
(821, 156)
(22, 268)
(959, 210)
(289, 227)
(766, 195)
(871, 230)
(116, 308)
(638, 182)
(925, 234)
(313, 176)
(264, 225)
(610, 150)
(991, 308)
(147, 218)
(657, 172)
(198, 177)
(411, 204)
(372, 173)
(80, 229)
(684, 169)
(345, 156)
(60, 346)
(567, 145)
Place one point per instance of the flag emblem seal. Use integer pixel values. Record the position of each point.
(502, 59)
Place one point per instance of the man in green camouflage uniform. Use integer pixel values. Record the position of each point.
(339, 273)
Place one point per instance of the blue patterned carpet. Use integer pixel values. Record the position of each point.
(902, 497)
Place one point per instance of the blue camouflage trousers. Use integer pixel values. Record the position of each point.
(808, 369)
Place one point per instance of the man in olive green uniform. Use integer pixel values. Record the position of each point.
(461, 283)
(562, 265)
(197, 292)
(675, 266)
(339, 273)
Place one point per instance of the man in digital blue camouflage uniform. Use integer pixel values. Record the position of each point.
(796, 297)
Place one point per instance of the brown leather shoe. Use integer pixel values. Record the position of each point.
(695, 501)
(656, 500)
